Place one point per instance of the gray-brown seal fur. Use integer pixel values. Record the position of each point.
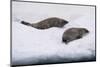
(73, 34)
(47, 23)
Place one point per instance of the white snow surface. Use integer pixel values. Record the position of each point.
(33, 46)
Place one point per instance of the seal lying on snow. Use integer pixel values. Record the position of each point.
(73, 34)
(47, 23)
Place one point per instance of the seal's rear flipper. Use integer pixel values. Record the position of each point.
(26, 23)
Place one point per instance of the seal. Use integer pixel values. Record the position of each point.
(47, 23)
(73, 34)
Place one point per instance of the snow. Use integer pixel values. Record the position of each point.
(34, 46)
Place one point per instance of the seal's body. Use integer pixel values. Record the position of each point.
(73, 34)
(47, 23)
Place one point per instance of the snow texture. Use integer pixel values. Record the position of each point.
(34, 46)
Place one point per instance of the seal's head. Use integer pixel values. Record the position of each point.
(73, 34)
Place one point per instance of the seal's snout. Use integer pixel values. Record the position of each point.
(87, 31)
(65, 22)
(64, 40)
